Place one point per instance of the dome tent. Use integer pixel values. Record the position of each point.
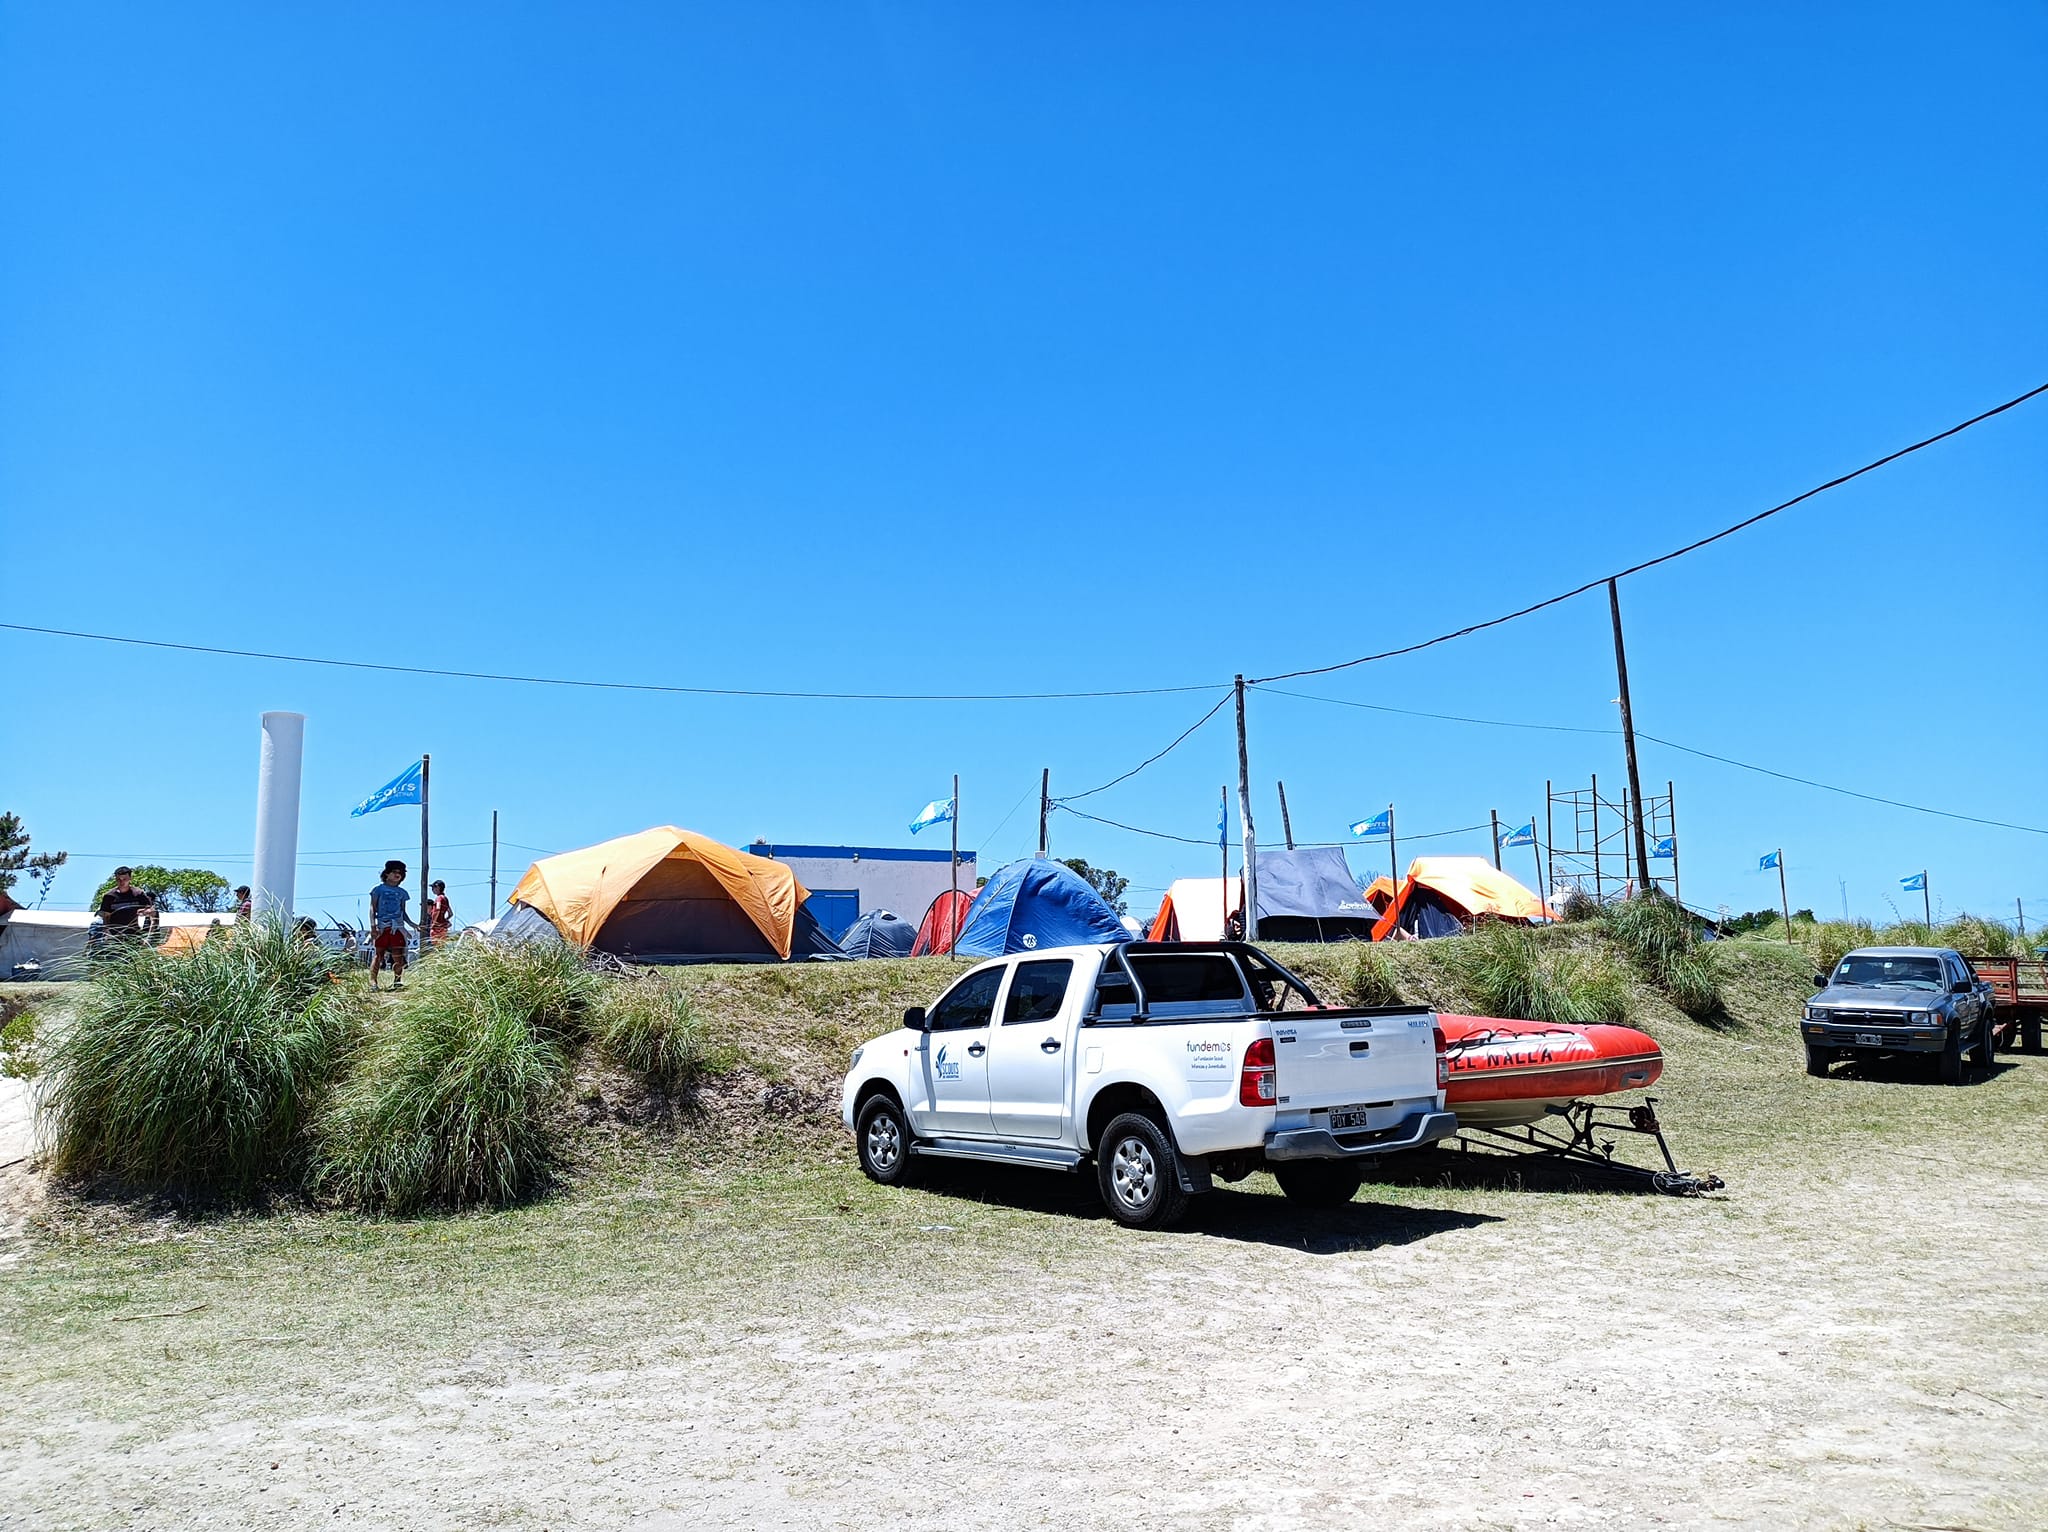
(942, 922)
(1032, 904)
(1443, 894)
(668, 895)
(879, 934)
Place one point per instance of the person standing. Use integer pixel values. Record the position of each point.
(242, 905)
(440, 913)
(124, 907)
(388, 924)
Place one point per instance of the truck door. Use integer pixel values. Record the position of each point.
(1027, 1059)
(954, 1059)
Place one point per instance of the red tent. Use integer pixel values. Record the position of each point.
(942, 923)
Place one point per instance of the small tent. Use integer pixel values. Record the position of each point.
(1442, 894)
(51, 940)
(1197, 910)
(879, 934)
(942, 921)
(667, 895)
(1037, 903)
(1379, 893)
(1309, 895)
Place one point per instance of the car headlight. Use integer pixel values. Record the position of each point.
(854, 1062)
(1924, 1018)
(1815, 1013)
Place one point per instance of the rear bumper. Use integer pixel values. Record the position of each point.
(1829, 1034)
(1321, 1144)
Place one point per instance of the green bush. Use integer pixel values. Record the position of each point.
(1366, 977)
(450, 1102)
(1974, 936)
(1664, 942)
(1511, 971)
(197, 1072)
(20, 1044)
(647, 1025)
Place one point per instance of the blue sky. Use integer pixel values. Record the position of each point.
(937, 348)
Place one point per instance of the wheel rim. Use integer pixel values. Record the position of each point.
(884, 1142)
(1133, 1172)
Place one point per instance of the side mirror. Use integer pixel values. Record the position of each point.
(1960, 987)
(913, 1019)
(1820, 980)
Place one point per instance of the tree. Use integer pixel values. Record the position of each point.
(179, 888)
(16, 860)
(1110, 885)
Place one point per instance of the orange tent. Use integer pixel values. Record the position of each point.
(1445, 893)
(670, 893)
(1380, 893)
(185, 938)
(1195, 910)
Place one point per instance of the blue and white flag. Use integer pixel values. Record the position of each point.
(1666, 850)
(1917, 884)
(1381, 823)
(1526, 836)
(1767, 861)
(937, 812)
(1223, 821)
(403, 788)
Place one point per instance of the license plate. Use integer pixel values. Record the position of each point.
(1868, 1040)
(1343, 1117)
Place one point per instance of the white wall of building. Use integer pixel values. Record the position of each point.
(885, 878)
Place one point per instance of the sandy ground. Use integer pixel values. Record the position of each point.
(1793, 1355)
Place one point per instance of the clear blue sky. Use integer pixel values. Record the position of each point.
(990, 348)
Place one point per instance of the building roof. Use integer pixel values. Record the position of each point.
(859, 853)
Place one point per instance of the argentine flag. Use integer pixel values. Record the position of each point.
(937, 812)
(403, 788)
(1665, 850)
(1767, 861)
(1917, 884)
(1526, 836)
(1381, 823)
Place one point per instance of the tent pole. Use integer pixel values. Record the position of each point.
(953, 822)
(1244, 814)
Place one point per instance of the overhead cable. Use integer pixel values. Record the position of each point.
(1662, 558)
(1177, 739)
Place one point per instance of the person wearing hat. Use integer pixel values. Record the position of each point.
(242, 904)
(124, 907)
(388, 923)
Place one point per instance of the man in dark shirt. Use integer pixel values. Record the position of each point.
(123, 906)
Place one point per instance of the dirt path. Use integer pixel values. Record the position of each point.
(1870, 1352)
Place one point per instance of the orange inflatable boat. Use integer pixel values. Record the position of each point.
(1506, 1073)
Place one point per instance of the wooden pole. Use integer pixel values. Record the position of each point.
(494, 863)
(1044, 807)
(1784, 902)
(953, 910)
(425, 892)
(1286, 823)
(1495, 813)
(1628, 737)
(1250, 868)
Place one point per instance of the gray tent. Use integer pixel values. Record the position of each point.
(1310, 896)
(879, 934)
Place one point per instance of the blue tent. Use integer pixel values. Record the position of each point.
(1032, 904)
(879, 934)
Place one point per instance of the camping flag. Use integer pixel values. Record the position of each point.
(1382, 823)
(403, 788)
(1526, 836)
(937, 812)
(1767, 861)
(1917, 884)
(1665, 850)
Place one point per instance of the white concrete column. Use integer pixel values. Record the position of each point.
(277, 814)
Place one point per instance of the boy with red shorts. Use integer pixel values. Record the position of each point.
(388, 922)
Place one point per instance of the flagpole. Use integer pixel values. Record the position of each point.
(1536, 851)
(1393, 863)
(1784, 902)
(425, 892)
(1926, 903)
(1223, 842)
(494, 864)
(954, 907)
(1494, 814)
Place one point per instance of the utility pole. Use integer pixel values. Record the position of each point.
(494, 864)
(1628, 736)
(1244, 814)
(1495, 813)
(1286, 823)
(1044, 807)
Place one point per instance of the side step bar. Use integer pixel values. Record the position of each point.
(1045, 1157)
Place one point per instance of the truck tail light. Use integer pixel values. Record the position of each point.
(1443, 1064)
(1255, 1083)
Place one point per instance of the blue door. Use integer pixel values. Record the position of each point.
(835, 909)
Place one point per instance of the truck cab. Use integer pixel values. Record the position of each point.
(1162, 1065)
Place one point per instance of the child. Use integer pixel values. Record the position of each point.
(440, 913)
(389, 920)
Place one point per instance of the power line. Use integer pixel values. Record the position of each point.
(615, 686)
(1177, 739)
(1135, 829)
(1491, 723)
(1662, 558)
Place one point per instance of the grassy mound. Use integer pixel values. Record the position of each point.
(1664, 943)
(197, 1072)
(1513, 970)
(452, 1100)
(647, 1025)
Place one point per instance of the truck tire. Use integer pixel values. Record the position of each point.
(1952, 1058)
(2030, 1032)
(882, 1135)
(1817, 1061)
(1138, 1169)
(1987, 1041)
(1320, 1183)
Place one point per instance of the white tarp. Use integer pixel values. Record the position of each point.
(1198, 907)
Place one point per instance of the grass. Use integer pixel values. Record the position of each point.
(1367, 977)
(196, 1073)
(1664, 943)
(453, 1100)
(20, 1039)
(647, 1024)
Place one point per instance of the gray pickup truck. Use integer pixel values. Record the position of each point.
(1901, 1000)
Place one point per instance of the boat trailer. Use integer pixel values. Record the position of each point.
(1576, 1139)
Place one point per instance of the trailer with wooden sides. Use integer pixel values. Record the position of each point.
(2019, 991)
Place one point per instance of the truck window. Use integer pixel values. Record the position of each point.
(1205, 978)
(969, 1004)
(1038, 991)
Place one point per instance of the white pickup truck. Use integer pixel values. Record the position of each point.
(1164, 1064)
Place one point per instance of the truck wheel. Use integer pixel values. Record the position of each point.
(1817, 1061)
(1139, 1172)
(1952, 1059)
(1987, 1042)
(883, 1136)
(1320, 1183)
